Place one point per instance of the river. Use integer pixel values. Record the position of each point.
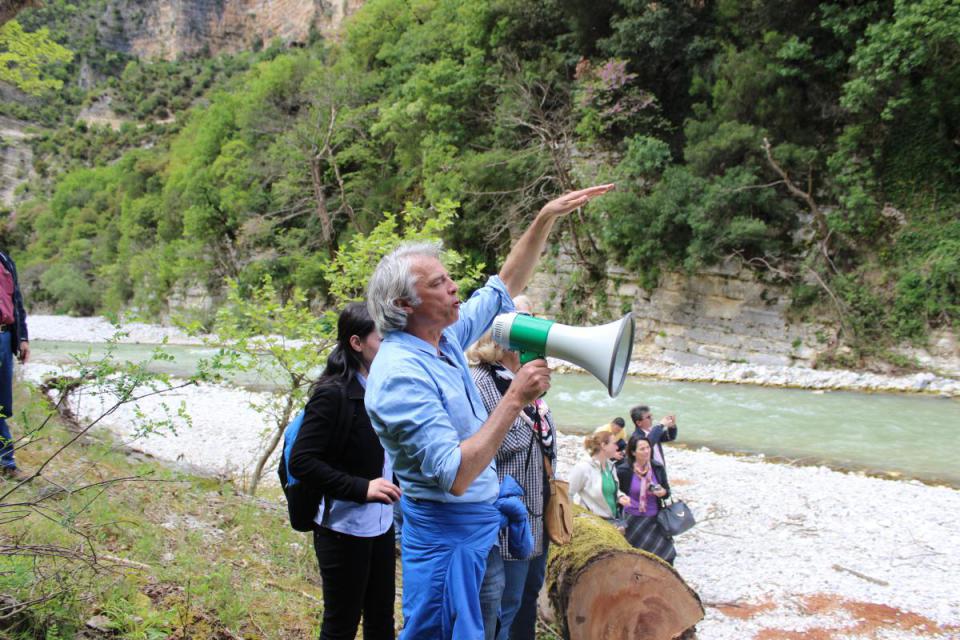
(913, 435)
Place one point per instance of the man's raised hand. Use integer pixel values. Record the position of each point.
(573, 200)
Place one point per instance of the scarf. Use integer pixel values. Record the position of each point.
(646, 478)
(536, 412)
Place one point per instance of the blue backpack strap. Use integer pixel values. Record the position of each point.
(292, 430)
(290, 433)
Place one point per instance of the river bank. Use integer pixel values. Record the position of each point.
(97, 329)
(780, 551)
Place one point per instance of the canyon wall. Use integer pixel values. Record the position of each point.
(724, 314)
(171, 29)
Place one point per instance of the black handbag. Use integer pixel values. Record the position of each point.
(675, 518)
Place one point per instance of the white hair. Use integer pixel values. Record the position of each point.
(393, 281)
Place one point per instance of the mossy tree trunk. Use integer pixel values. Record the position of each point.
(598, 586)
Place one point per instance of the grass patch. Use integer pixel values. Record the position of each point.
(177, 555)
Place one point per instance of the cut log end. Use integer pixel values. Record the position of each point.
(625, 595)
(600, 588)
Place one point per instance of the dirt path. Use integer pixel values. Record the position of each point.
(833, 617)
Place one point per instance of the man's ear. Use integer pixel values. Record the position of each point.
(404, 304)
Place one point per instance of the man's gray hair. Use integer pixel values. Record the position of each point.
(392, 281)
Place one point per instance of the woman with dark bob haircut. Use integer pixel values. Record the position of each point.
(645, 482)
(338, 453)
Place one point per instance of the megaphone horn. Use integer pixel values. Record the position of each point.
(604, 351)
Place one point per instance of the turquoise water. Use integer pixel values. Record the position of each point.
(186, 358)
(916, 435)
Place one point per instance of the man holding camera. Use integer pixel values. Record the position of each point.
(663, 431)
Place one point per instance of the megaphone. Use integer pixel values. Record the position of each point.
(604, 351)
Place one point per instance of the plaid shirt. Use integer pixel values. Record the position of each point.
(520, 456)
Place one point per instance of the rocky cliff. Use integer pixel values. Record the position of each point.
(16, 158)
(171, 29)
(721, 315)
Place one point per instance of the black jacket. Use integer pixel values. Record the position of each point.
(625, 477)
(338, 460)
(19, 329)
(658, 434)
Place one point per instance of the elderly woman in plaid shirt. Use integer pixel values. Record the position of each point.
(531, 437)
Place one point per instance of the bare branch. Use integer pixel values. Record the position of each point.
(841, 309)
(753, 262)
(822, 227)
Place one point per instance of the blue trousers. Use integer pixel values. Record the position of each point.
(518, 607)
(6, 400)
(491, 593)
(509, 592)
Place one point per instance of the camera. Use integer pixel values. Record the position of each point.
(655, 487)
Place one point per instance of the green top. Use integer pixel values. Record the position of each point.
(609, 488)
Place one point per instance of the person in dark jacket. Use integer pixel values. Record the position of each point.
(663, 431)
(343, 459)
(645, 482)
(13, 342)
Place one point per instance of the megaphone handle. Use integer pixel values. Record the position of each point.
(530, 356)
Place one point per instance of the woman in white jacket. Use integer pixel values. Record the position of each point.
(593, 482)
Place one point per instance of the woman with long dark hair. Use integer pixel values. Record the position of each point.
(338, 453)
(645, 482)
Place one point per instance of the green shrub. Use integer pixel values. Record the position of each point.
(67, 289)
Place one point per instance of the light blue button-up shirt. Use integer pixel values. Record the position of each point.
(422, 405)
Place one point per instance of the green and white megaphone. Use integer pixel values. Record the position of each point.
(604, 351)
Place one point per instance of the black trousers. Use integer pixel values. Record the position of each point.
(358, 578)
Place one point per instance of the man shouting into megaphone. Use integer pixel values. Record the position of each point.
(432, 423)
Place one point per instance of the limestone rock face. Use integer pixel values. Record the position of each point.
(942, 352)
(171, 29)
(723, 314)
(16, 159)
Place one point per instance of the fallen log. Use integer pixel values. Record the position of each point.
(598, 586)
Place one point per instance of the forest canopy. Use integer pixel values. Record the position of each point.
(819, 142)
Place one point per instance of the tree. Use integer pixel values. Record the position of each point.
(282, 341)
(286, 343)
(316, 157)
(902, 102)
(23, 57)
